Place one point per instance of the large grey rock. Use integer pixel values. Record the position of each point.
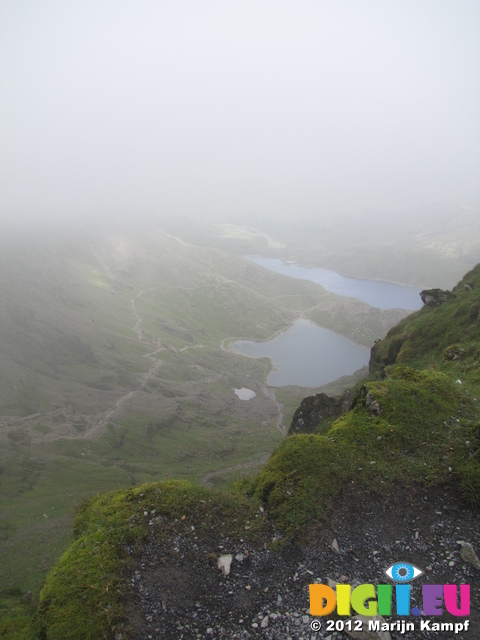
(435, 297)
(372, 404)
(314, 410)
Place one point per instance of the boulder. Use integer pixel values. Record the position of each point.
(318, 409)
(435, 297)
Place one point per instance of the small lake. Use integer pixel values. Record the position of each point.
(306, 355)
(377, 293)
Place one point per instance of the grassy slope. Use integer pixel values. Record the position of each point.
(78, 316)
(69, 352)
(445, 337)
(422, 429)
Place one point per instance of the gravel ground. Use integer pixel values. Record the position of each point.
(177, 591)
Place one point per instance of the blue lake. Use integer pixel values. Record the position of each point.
(377, 293)
(310, 356)
(306, 355)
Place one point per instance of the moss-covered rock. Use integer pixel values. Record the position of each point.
(83, 595)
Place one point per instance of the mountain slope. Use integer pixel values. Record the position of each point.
(444, 335)
(414, 432)
(115, 370)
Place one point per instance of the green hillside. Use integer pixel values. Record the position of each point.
(444, 336)
(414, 423)
(115, 370)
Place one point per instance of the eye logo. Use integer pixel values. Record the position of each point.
(365, 600)
(403, 572)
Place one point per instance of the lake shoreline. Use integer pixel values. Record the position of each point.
(378, 293)
(344, 274)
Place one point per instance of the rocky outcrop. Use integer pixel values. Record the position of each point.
(435, 297)
(368, 400)
(378, 362)
(317, 410)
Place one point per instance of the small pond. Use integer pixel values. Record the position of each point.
(244, 393)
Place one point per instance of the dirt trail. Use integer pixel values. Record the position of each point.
(95, 422)
(144, 378)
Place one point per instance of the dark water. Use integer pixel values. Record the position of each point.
(377, 293)
(307, 355)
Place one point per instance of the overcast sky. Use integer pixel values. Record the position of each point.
(226, 106)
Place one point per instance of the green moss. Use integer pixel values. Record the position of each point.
(302, 478)
(469, 476)
(423, 433)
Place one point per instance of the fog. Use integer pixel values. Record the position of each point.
(232, 108)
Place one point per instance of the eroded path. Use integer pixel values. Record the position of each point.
(144, 378)
(93, 423)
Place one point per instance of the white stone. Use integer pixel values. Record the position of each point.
(224, 563)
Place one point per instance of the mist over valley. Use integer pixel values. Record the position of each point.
(178, 181)
(115, 366)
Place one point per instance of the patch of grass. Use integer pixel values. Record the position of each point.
(424, 433)
(445, 337)
(301, 479)
(17, 615)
